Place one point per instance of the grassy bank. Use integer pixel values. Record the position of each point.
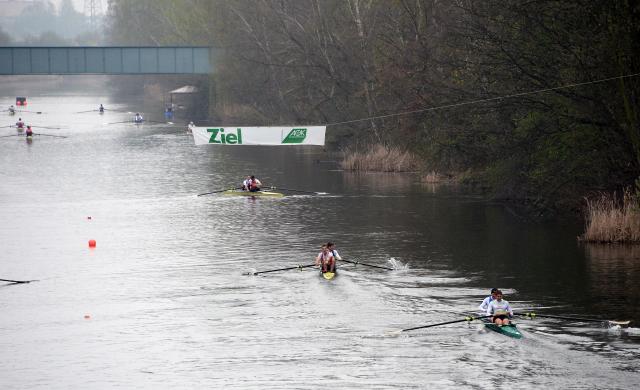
(379, 158)
(613, 220)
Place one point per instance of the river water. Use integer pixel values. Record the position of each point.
(162, 302)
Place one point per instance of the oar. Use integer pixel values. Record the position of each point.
(12, 135)
(368, 265)
(16, 281)
(47, 127)
(466, 319)
(2, 127)
(51, 135)
(115, 123)
(215, 192)
(33, 112)
(82, 112)
(300, 267)
(579, 319)
(306, 192)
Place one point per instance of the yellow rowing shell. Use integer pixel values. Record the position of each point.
(328, 275)
(262, 194)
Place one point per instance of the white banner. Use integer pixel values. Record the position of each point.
(233, 135)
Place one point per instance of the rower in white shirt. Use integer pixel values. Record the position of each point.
(334, 252)
(485, 303)
(499, 310)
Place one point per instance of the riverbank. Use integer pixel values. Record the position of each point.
(611, 220)
(379, 158)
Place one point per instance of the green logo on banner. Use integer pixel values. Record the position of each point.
(219, 137)
(295, 136)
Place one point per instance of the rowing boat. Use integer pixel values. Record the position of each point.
(262, 194)
(510, 330)
(328, 275)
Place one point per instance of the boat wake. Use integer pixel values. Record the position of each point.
(397, 264)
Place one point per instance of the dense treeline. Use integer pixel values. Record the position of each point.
(355, 64)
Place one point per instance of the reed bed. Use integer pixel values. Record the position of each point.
(437, 177)
(612, 220)
(380, 158)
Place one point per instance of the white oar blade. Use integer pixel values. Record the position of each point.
(620, 323)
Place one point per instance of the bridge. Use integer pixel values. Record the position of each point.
(110, 60)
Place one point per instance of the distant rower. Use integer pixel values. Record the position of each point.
(12, 110)
(254, 184)
(335, 256)
(325, 260)
(20, 124)
(101, 109)
(138, 118)
(245, 183)
(29, 132)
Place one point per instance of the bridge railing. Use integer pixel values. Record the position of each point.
(105, 60)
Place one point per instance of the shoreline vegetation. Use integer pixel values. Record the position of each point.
(613, 220)
(379, 158)
(384, 158)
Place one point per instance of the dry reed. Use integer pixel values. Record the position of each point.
(609, 220)
(379, 158)
(437, 177)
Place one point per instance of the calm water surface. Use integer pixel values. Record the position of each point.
(169, 306)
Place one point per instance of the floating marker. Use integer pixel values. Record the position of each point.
(92, 243)
(89, 217)
(87, 316)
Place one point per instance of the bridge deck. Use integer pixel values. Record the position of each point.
(104, 60)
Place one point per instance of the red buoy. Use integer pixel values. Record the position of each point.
(92, 243)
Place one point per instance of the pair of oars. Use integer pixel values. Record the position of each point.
(35, 126)
(140, 122)
(268, 188)
(528, 315)
(46, 135)
(300, 267)
(98, 110)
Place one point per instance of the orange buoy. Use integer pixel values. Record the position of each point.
(92, 243)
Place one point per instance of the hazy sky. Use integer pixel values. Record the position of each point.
(79, 4)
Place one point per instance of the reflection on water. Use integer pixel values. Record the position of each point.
(168, 304)
(614, 274)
